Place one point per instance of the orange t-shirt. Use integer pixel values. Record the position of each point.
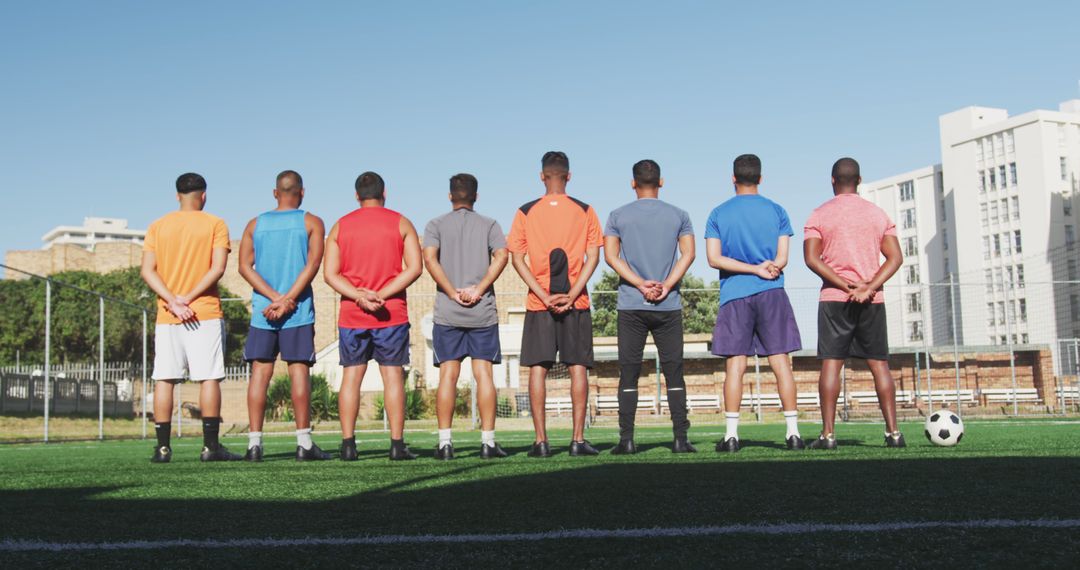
(183, 243)
(554, 232)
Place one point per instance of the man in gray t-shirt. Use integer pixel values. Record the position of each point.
(465, 252)
(650, 244)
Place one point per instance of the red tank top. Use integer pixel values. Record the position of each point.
(371, 256)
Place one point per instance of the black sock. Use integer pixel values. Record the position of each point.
(397, 442)
(164, 432)
(350, 442)
(211, 427)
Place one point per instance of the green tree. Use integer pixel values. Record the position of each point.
(700, 302)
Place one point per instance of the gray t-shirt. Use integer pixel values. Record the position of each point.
(466, 241)
(648, 230)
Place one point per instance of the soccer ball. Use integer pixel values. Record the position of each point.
(944, 428)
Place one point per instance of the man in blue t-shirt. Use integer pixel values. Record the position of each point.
(650, 244)
(747, 239)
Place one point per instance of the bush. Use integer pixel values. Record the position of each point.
(416, 405)
(324, 405)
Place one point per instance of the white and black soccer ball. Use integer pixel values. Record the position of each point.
(944, 428)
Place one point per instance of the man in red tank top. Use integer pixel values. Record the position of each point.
(372, 255)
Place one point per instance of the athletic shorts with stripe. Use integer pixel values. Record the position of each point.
(456, 343)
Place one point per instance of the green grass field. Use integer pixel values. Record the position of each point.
(1004, 470)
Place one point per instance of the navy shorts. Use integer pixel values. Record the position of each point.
(388, 346)
(759, 325)
(456, 343)
(295, 344)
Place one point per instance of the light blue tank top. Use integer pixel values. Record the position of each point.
(281, 252)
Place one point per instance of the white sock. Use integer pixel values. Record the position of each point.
(303, 438)
(792, 419)
(444, 438)
(254, 438)
(487, 438)
(732, 422)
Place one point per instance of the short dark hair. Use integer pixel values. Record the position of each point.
(463, 188)
(289, 181)
(845, 172)
(370, 186)
(555, 161)
(647, 173)
(190, 182)
(747, 170)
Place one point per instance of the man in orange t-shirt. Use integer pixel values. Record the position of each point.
(555, 243)
(184, 256)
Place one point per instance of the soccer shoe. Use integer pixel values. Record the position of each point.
(729, 445)
(492, 451)
(583, 447)
(540, 449)
(795, 442)
(683, 445)
(401, 453)
(348, 452)
(254, 454)
(162, 454)
(312, 454)
(444, 452)
(823, 442)
(625, 447)
(895, 440)
(220, 453)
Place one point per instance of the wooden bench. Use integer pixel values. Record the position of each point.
(695, 402)
(1005, 395)
(610, 403)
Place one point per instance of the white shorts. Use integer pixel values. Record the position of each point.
(196, 348)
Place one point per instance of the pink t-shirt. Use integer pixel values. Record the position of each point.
(851, 230)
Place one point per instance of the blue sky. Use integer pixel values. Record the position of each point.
(105, 103)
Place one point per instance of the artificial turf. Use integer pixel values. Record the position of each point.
(108, 492)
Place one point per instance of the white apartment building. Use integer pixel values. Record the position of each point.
(93, 231)
(1000, 219)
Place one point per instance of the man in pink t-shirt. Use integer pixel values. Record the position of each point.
(845, 239)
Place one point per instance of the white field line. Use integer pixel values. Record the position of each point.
(15, 545)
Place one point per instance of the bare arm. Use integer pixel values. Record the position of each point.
(687, 253)
(894, 257)
(495, 269)
(438, 274)
(717, 260)
(812, 254)
(413, 260)
(521, 265)
(783, 246)
(612, 251)
(157, 285)
(218, 259)
(332, 269)
(316, 233)
(592, 259)
(247, 265)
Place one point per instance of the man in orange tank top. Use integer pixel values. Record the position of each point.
(372, 255)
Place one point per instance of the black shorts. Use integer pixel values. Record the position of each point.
(852, 329)
(569, 335)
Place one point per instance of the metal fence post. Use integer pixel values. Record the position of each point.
(658, 408)
(101, 368)
(48, 343)
(955, 336)
(472, 402)
(1012, 353)
(144, 374)
(757, 380)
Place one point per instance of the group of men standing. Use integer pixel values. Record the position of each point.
(372, 255)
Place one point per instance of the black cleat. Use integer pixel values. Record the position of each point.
(540, 449)
(445, 452)
(625, 447)
(683, 445)
(795, 442)
(492, 451)
(895, 440)
(823, 442)
(348, 452)
(311, 454)
(400, 452)
(162, 454)
(254, 454)
(583, 447)
(220, 453)
(729, 445)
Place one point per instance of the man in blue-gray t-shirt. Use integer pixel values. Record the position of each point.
(650, 244)
(747, 239)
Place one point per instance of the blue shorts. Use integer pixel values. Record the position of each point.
(295, 344)
(388, 346)
(456, 343)
(762, 324)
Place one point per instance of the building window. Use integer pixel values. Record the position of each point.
(982, 181)
(914, 302)
(993, 180)
(1023, 311)
(907, 191)
(1070, 237)
(994, 211)
(1064, 169)
(911, 246)
(997, 245)
(1009, 143)
(999, 279)
(945, 266)
(1012, 174)
(986, 247)
(1071, 274)
(1006, 244)
(1004, 209)
(944, 216)
(1066, 204)
(1074, 307)
(984, 215)
(915, 331)
(1001, 313)
(945, 239)
(908, 217)
(989, 278)
(1024, 338)
(1016, 242)
(979, 151)
(1003, 339)
(911, 274)
(1016, 207)
(990, 315)
(1001, 175)
(1020, 275)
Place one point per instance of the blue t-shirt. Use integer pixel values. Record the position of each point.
(748, 227)
(648, 230)
(280, 240)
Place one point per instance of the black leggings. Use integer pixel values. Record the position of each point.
(667, 330)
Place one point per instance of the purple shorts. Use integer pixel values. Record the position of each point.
(758, 325)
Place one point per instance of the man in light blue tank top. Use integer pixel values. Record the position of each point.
(280, 254)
